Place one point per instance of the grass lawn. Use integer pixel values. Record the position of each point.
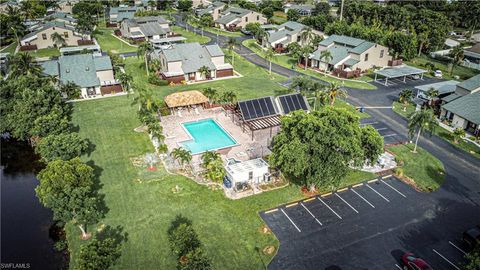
(439, 131)
(110, 43)
(228, 229)
(463, 72)
(48, 52)
(424, 169)
(9, 49)
(190, 36)
(289, 62)
(218, 31)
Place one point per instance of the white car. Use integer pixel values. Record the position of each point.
(438, 74)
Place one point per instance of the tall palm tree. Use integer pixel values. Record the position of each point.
(306, 51)
(269, 56)
(125, 80)
(144, 99)
(431, 94)
(24, 64)
(457, 56)
(321, 96)
(404, 97)
(204, 71)
(58, 39)
(306, 36)
(419, 121)
(182, 155)
(142, 51)
(231, 44)
(260, 33)
(334, 91)
(213, 164)
(211, 94)
(327, 57)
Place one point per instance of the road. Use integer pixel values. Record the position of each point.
(429, 221)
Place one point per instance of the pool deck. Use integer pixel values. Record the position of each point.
(244, 150)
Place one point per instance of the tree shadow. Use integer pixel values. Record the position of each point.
(90, 147)
(436, 175)
(116, 233)
(179, 219)
(96, 187)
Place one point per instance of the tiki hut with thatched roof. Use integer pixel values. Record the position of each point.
(185, 99)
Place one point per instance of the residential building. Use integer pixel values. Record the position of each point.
(253, 171)
(117, 14)
(348, 53)
(145, 4)
(472, 54)
(282, 35)
(444, 89)
(62, 17)
(145, 28)
(94, 74)
(183, 62)
(66, 6)
(215, 9)
(200, 3)
(41, 37)
(303, 10)
(236, 18)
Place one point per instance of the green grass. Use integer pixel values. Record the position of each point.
(440, 131)
(228, 229)
(190, 36)
(48, 52)
(218, 31)
(277, 20)
(289, 62)
(463, 72)
(10, 48)
(110, 43)
(424, 169)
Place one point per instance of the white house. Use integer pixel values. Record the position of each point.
(252, 171)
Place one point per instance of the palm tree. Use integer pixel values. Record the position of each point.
(321, 96)
(182, 155)
(58, 39)
(231, 44)
(421, 120)
(457, 56)
(211, 94)
(154, 65)
(457, 134)
(213, 164)
(71, 90)
(404, 98)
(335, 91)
(306, 36)
(327, 57)
(230, 97)
(204, 71)
(260, 33)
(306, 51)
(125, 80)
(24, 64)
(144, 99)
(269, 56)
(142, 50)
(431, 94)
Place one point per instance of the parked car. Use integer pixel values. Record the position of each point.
(471, 237)
(412, 262)
(438, 73)
(245, 32)
(414, 77)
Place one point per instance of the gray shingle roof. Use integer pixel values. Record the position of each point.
(356, 45)
(285, 29)
(192, 55)
(48, 25)
(467, 107)
(231, 13)
(63, 16)
(214, 50)
(226, 18)
(151, 29)
(442, 87)
(471, 84)
(338, 54)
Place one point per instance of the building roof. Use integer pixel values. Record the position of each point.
(63, 16)
(135, 21)
(307, 8)
(338, 54)
(48, 25)
(185, 98)
(210, 8)
(467, 107)
(231, 14)
(152, 28)
(214, 50)
(193, 55)
(227, 18)
(471, 84)
(399, 71)
(356, 45)
(240, 168)
(122, 13)
(474, 49)
(284, 30)
(444, 87)
(450, 97)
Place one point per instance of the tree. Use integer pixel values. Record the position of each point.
(85, 23)
(268, 12)
(195, 260)
(420, 121)
(183, 239)
(335, 91)
(326, 56)
(98, 254)
(213, 164)
(306, 51)
(457, 134)
(58, 39)
(404, 97)
(51, 123)
(211, 94)
(66, 188)
(252, 27)
(372, 144)
(205, 72)
(231, 44)
(473, 260)
(70, 90)
(125, 80)
(230, 97)
(317, 148)
(457, 56)
(151, 159)
(23, 64)
(321, 96)
(322, 8)
(206, 20)
(142, 50)
(431, 94)
(295, 50)
(145, 100)
(401, 44)
(293, 15)
(269, 56)
(185, 5)
(64, 146)
(307, 36)
(182, 155)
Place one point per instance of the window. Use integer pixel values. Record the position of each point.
(298, 38)
(44, 36)
(381, 53)
(250, 175)
(246, 19)
(258, 17)
(65, 34)
(366, 57)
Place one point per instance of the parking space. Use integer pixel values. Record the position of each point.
(389, 136)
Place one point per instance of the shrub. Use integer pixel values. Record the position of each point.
(155, 80)
(399, 171)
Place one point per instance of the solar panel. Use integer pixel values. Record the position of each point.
(257, 108)
(292, 103)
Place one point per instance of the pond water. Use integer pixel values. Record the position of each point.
(25, 223)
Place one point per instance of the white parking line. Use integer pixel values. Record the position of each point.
(377, 193)
(459, 249)
(318, 221)
(329, 208)
(346, 203)
(390, 135)
(378, 129)
(363, 198)
(393, 188)
(291, 220)
(447, 260)
(398, 267)
(369, 123)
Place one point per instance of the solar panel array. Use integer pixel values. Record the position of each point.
(292, 103)
(257, 108)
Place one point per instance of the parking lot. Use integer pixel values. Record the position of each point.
(389, 136)
(366, 226)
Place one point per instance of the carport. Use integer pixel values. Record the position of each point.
(398, 72)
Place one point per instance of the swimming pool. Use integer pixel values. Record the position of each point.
(206, 135)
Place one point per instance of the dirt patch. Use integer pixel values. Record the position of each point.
(268, 250)
(264, 229)
(409, 181)
(141, 129)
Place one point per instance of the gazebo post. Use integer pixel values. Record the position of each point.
(421, 77)
(375, 77)
(404, 78)
(386, 81)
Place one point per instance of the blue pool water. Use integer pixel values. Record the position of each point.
(207, 135)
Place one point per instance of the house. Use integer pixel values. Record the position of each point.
(117, 14)
(462, 108)
(282, 35)
(349, 54)
(41, 37)
(236, 18)
(4, 5)
(66, 6)
(145, 28)
(200, 3)
(62, 17)
(145, 4)
(94, 74)
(214, 9)
(253, 171)
(444, 89)
(183, 62)
(303, 10)
(472, 54)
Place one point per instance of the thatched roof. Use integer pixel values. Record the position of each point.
(186, 98)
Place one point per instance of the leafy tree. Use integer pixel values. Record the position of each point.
(335, 91)
(63, 146)
(419, 121)
(372, 144)
(321, 96)
(269, 56)
(213, 164)
(145, 100)
(85, 24)
(295, 50)
(457, 134)
(23, 64)
(52, 123)
(185, 5)
(293, 15)
(231, 44)
(317, 148)
(404, 97)
(268, 12)
(183, 239)
(125, 80)
(401, 44)
(195, 260)
(326, 56)
(182, 155)
(252, 27)
(58, 39)
(307, 36)
(204, 72)
(473, 260)
(306, 51)
(230, 97)
(142, 50)
(322, 8)
(70, 90)
(206, 20)
(87, 7)
(98, 254)
(66, 188)
(211, 94)
(431, 94)
(457, 56)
